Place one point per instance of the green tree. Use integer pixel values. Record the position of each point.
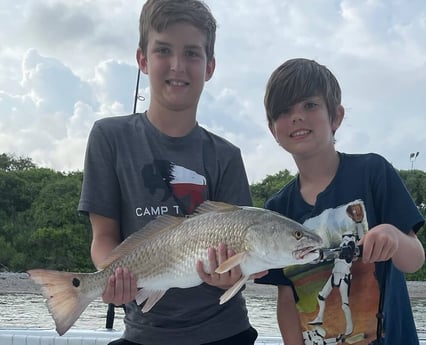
(19, 190)
(14, 197)
(61, 248)
(415, 181)
(59, 228)
(271, 184)
(12, 163)
(7, 254)
(56, 203)
(39, 222)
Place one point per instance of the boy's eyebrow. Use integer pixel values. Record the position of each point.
(188, 46)
(161, 43)
(311, 98)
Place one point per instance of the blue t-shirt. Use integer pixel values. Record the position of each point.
(365, 192)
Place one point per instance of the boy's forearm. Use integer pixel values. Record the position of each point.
(410, 255)
(100, 250)
(291, 332)
(106, 236)
(288, 317)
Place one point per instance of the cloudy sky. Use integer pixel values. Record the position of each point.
(64, 64)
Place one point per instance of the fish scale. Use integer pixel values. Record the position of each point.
(164, 253)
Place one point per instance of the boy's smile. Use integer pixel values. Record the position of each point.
(177, 83)
(300, 133)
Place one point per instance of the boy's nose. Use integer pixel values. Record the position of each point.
(296, 116)
(176, 64)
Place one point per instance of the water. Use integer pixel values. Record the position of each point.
(28, 310)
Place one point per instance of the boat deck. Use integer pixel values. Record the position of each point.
(35, 336)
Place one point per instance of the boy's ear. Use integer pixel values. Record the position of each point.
(272, 129)
(340, 114)
(211, 65)
(142, 61)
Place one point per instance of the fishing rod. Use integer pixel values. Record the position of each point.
(109, 323)
(137, 96)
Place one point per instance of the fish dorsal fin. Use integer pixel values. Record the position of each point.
(153, 228)
(230, 263)
(233, 290)
(214, 206)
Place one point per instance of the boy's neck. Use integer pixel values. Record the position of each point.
(316, 173)
(172, 123)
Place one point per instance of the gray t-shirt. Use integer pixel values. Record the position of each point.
(134, 173)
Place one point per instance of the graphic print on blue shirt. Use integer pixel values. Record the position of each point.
(186, 186)
(338, 297)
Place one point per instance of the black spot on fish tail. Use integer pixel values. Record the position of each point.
(76, 282)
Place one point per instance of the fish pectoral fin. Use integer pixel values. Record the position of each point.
(233, 290)
(150, 296)
(232, 262)
(142, 296)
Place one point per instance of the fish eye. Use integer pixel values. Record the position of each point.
(298, 234)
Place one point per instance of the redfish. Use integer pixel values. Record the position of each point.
(164, 253)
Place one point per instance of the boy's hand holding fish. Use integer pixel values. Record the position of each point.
(121, 287)
(216, 258)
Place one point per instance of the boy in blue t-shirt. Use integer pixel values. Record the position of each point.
(350, 200)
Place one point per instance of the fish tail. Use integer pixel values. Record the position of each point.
(65, 298)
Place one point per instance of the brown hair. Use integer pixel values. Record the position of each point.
(157, 15)
(299, 79)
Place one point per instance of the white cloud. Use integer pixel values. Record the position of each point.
(112, 82)
(53, 86)
(65, 64)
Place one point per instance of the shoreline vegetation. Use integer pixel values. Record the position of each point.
(40, 225)
(20, 283)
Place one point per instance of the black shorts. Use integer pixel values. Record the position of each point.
(247, 337)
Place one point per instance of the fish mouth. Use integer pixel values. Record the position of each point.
(301, 254)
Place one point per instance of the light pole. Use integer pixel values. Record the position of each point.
(413, 157)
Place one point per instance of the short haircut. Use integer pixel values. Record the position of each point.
(296, 80)
(157, 15)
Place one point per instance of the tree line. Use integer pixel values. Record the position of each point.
(41, 228)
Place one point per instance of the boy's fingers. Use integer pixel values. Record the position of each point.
(108, 294)
(200, 270)
(126, 283)
(235, 273)
(212, 260)
(222, 253)
(118, 296)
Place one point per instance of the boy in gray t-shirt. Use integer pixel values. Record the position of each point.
(161, 162)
